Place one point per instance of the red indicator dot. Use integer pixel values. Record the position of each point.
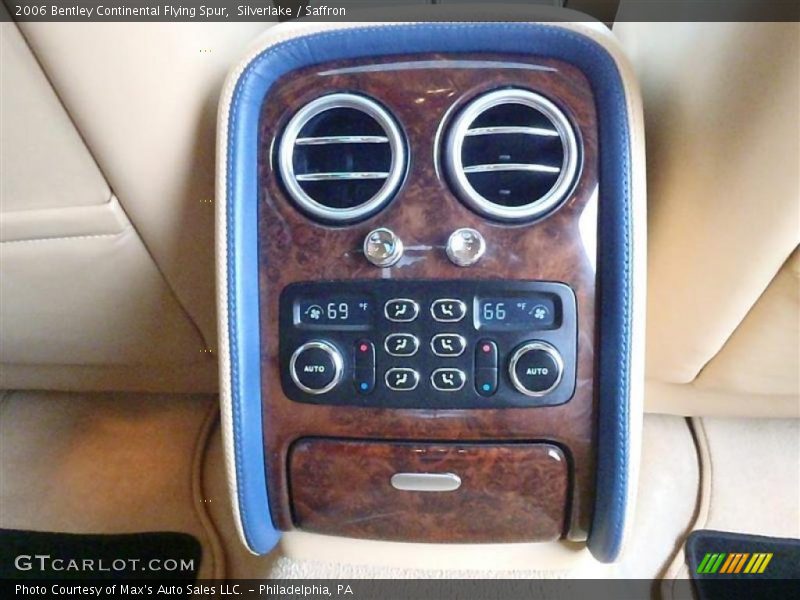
(487, 348)
(363, 347)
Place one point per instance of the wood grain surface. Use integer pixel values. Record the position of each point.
(560, 247)
(509, 492)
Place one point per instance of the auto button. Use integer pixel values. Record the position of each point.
(316, 367)
(535, 368)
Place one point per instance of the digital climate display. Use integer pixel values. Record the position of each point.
(516, 312)
(343, 311)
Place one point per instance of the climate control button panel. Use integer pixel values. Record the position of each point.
(428, 344)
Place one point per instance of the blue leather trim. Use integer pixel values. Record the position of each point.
(243, 322)
(614, 270)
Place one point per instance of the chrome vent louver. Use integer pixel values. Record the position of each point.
(341, 157)
(511, 155)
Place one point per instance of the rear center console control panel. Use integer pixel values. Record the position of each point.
(427, 294)
(428, 344)
(425, 267)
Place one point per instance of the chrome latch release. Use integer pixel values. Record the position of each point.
(426, 482)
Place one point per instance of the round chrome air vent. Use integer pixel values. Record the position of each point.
(511, 155)
(341, 157)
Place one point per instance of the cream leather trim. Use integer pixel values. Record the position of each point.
(762, 356)
(639, 274)
(595, 31)
(200, 377)
(221, 228)
(687, 400)
(67, 222)
(722, 117)
(44, 162)
(91, 300)
(83, 303)
(144, 98)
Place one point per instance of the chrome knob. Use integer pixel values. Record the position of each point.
(465, 247)
(382, 247)
(536, 368)
(316, 367)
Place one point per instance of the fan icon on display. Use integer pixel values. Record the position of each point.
(539, 312)
(314, 312)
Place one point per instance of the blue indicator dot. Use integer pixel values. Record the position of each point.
(486, 387)
(364, 386)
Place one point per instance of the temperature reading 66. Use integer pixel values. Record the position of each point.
(533, 311)
(494, 311)
(338, 312)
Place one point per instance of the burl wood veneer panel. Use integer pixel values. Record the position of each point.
(512, 492)
(424, 212)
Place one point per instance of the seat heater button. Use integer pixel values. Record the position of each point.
(448, 310)
(448, 345)
(316, 367)
(401, 380)
(401, 310)
(401, 344)
(448, 380)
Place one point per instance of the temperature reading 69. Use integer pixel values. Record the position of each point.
(343, 311)
(338, 311)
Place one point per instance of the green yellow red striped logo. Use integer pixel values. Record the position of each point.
(733, 563)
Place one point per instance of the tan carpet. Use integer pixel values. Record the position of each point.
(105, 463)
(116, 463)
(666, 505)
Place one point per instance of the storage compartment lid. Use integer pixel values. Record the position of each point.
(424, 492)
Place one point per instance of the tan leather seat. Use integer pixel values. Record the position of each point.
(107, 203)
(722, 121)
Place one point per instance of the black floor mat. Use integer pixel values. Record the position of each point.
(44, 555)
(738, 566)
